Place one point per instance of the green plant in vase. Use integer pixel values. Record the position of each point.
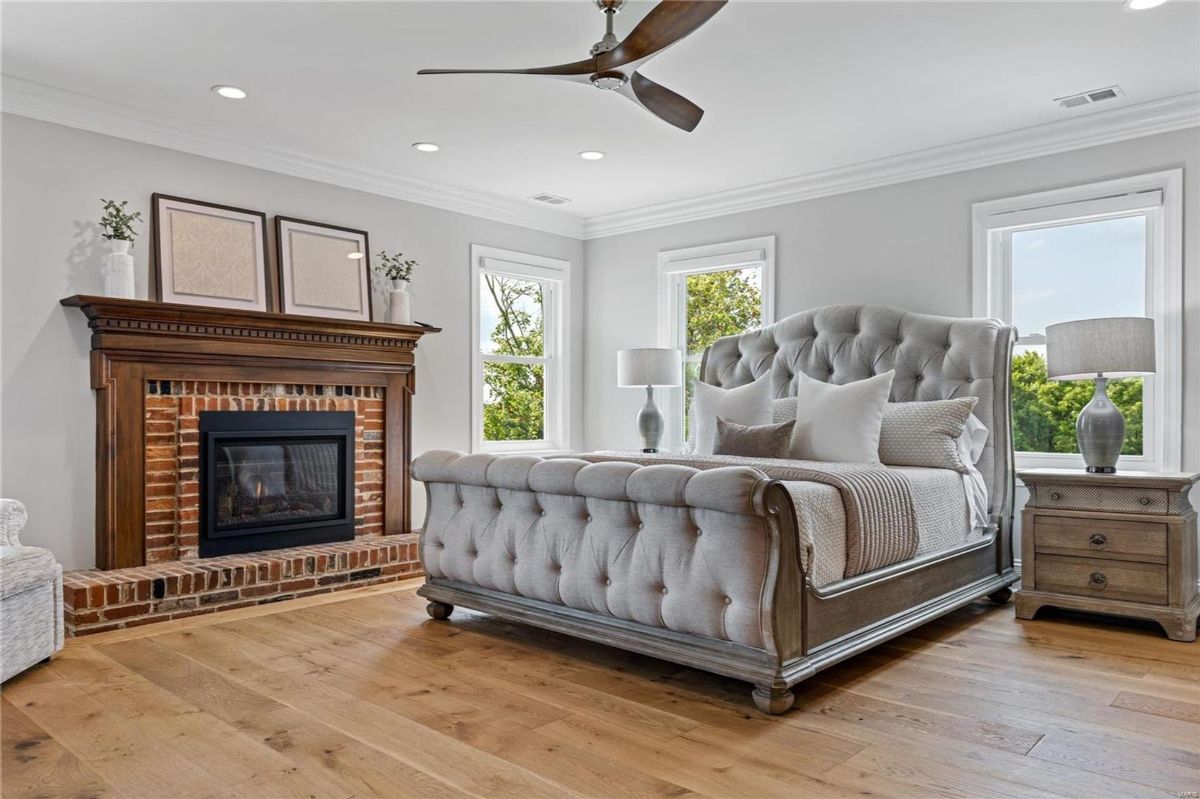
(398, 270)
(116, 225)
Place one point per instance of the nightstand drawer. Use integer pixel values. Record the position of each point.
(1112, 499)
(1100, 538)
(1102, 579)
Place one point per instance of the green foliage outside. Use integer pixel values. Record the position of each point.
(514, 406)
(1044, 410)
(721, 304)
(718, 304)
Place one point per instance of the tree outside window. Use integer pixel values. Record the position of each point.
(719, 304)
(514, 403)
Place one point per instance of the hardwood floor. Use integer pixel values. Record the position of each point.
(360, 694)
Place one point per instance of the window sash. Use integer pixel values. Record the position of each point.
(1158, 197)
(553, 276)
(674, 268)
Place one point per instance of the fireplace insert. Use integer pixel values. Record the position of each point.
(274, 479)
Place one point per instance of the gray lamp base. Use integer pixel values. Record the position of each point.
(1100, 430)
(650, 423)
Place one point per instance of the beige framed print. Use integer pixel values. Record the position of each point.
(324, 270)
(209, 254)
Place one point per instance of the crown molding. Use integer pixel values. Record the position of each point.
(50, 104)
(1145, 119)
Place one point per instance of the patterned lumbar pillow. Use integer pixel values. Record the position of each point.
(753, 441)
(748, 404)
(839, 423)
(925, 433)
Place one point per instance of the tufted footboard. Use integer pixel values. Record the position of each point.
(663, 559)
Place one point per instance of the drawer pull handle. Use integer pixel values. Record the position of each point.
(1098, 580)
(1098, 541)
(1054, 495)
(1144, 500)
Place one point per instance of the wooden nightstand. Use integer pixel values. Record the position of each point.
(1121, 543)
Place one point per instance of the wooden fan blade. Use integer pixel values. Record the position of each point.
(666, 24)
(575, 68)
(662, 102)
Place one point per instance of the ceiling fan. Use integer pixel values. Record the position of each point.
(614, 64)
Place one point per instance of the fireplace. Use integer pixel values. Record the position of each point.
(274, 479)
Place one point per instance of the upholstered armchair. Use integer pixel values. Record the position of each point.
(31, 615)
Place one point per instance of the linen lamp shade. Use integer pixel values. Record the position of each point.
(1121, 346)
(649, 366)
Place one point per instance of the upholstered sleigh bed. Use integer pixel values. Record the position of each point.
(714, 563)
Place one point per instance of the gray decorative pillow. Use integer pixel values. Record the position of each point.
(753, 441)
(925, 433)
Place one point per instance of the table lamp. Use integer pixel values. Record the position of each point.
(649, 367)
(1100, 349)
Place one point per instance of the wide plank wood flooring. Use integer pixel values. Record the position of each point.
(361, 695)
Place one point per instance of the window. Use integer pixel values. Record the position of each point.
(518, 339)
(706, 293)
(1105, 249)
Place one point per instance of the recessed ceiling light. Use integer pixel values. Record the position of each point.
(591, 155)
(355, 256)
(426, 146)
(230, 92)
(1143, 5)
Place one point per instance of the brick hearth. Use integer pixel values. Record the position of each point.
(98, 600)
(156, 368)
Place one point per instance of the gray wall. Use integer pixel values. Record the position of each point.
(907, 245)
(53, 178)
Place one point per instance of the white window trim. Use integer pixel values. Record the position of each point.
(555, 275)
(673, 267)
(991, 284)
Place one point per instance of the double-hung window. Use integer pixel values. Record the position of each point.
(518, 340)
(705, 293)
(1104, 249)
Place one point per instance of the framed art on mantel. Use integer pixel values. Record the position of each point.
(209, 254)
(323, 269)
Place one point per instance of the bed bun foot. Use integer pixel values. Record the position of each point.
(773, 699)
(439, 610)
(1001, 596)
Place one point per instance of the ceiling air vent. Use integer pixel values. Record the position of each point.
(1087, 98)
(551, 199)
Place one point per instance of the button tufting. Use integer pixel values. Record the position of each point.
(641, 526)
(664, 589)
(728, 601)
(699, 532)
(589, 518)
(543, 513)
(608, 582)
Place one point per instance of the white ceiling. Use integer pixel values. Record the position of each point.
(789, 88)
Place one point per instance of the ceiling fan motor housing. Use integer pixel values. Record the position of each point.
(612, 79)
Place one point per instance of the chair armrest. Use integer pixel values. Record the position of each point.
(12, 521)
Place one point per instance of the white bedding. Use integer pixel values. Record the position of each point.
(951, 509)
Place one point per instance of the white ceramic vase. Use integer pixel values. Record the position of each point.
(399, 303)
(118, 270)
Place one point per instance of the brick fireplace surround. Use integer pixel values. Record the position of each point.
(156, 368)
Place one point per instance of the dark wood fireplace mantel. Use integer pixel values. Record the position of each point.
(135, 341)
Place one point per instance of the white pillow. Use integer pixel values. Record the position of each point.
(839, 423)
(972, 440)
(749, 404)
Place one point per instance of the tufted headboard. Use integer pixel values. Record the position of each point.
(935, 357)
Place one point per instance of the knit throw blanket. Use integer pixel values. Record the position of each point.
(881, 519)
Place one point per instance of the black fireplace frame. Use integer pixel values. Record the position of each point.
(282, 427)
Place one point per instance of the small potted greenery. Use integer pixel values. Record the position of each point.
(397, 270)
(117, 227)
